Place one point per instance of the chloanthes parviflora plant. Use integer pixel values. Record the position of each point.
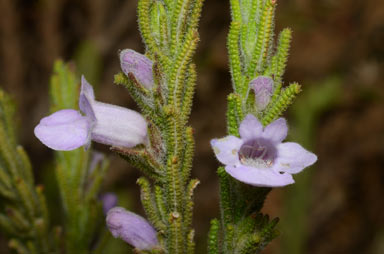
(158, 141)
(254, 158)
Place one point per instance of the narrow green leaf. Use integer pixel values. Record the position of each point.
(213, 237)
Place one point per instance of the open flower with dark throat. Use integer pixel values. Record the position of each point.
(259, 157)
(104, 123)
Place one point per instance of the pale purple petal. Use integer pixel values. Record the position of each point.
(86, 99)
(276, 131)
(250, 128)
(86, 88)
(131, 228)
(109, 201)
(263, 87)
(293, 158)
(139, 65)
(227, 149)
(64, 130)
(261, 177)
(118, 126)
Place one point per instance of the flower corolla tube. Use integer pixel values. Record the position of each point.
(259, 157)
(104, 123)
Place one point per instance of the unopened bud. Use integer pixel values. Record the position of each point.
(131, 228)
(139, 65)
(263, 87)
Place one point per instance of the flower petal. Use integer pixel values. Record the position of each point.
(64, 130)
(131, 228)
(86, 88)
(250, 128)
(139, 65)
(293, 158)
(87, 98)
(276, 131)
(118, 126)
(227, 149)
(261, 177)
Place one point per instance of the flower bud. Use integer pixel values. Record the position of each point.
(263, 87)
(131, 228)
(139, 65)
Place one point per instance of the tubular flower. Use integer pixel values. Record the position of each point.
(131, 228)
(263, 87)
(259, 157)
(108, 124)
(139, 65)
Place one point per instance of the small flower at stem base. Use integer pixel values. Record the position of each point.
(259, 157)
(131, 228)
(104, 123)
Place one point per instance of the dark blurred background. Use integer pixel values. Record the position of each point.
(337, 55)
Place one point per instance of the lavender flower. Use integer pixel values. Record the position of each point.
(131, 228)
(263, 87)
(104, 123)
(259, 158)
(139, 65)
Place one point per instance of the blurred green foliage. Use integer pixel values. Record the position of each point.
(305, 114)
